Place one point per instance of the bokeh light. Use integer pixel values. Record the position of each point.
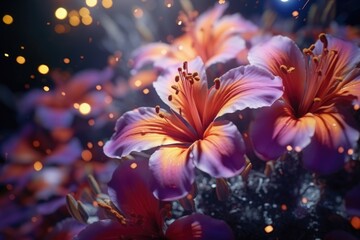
(43, 69)
(8, 19)
(84, 108)
(61, 13)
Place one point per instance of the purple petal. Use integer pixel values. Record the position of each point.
(352, 201)
(51, 118)
(221, 152)
(331, 142)
(173, 172)
(274, 130)
(65, 154)
(199, 226)
(129, 189)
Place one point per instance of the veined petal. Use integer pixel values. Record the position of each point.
(331, 142)
(276, 130)
(199, 226)
(221, 152)
(143, 129)
(149, 53)
(348, 54)
(185, 95)
(225, 50)
(280, 51)
(242, 87)
(351, 86)
(129, 189)
(173, 172)
(110, 230)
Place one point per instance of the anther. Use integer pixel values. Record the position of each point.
(340, 79)
(161, 115)
(170, 98)
(312, 47)
(195, 74)
(319, 72)
(185, 66)
(316, 60)
(317, 99)
(323, 39)
(217, 83)
(290, 70)
(177, 78)
(283, 68)
(157, 109)
(307, 51)
(175, 88)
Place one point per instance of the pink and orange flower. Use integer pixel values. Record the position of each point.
(192, 133)
(322, 84)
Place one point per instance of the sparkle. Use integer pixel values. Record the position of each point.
(107, 3)
(7, 19)
(61, 13)
(38, 166)
(268, 229)
(146, 91)
(84, 108)
(66, 60)
(46, 88)
(20, 60)
(91, 3)
(86, 155)
(43, 69)
(133, 165)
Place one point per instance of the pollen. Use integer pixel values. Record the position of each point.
(157, 109)
(217, 83)
(170, 98)
(317, 99)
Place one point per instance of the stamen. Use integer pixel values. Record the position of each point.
(316, 60)
(317, 99)
(157, 109)
(185, 66)
(161, 115)
(283, 68)
(176, 88)
(324, 40)
(112, 211)
(340, 79)
(177, 78)
(217, 83)
(312, 47)
(308, 52)
(170, 98)
(291, 69)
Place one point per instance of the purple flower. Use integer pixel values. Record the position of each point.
(321, 84)
(136, 214)
(191, 134)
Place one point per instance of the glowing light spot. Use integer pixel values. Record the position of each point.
(91, 3)
(350, 151)
(222, 1)
(6, 55)
(20, 60)
(107, 3)
(76, 105)
(108, 99)
(74, 21)
(100, 143)
(36, 143)
(38, 166)
(60, 28)
(84, 108)
(297, 149)
(48, 151)
(289, 148)
(137, 83)
(168, 3)
(63, 94)
(146, 91)
(180, 47)
(87, 20)
(111, 115)
(84, 12)
(90, 145)
(43, 69)
(86, 155)
(283, 207)
(268, 229)
(179, 22)
(295, 13)
(341, 149)
(355, 222)
(304, 200)
(7, 19)
(66, 60)
(133, 165)
(356, 107)
(138, 12)
(61, 13)
(98, 87)
(284, 0)
(46, 88)
(91, 122)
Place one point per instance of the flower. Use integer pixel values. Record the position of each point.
(142, 215)
(191, 134)
(212, 36)
(321, 84)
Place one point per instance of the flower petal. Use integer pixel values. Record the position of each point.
(199, 226)
(352, 201)
(65, 154)
(109, 230)
(173, 172)
(279, 51)
(149, 53)
(129, 189)
(52, 118)
(189, 97)
(332, 139)
(275, 129)
(242, 87)
(143, 129)
(221, 152)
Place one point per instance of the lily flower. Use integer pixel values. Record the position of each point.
(192, 134)
(136, 214)
(321, 85)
